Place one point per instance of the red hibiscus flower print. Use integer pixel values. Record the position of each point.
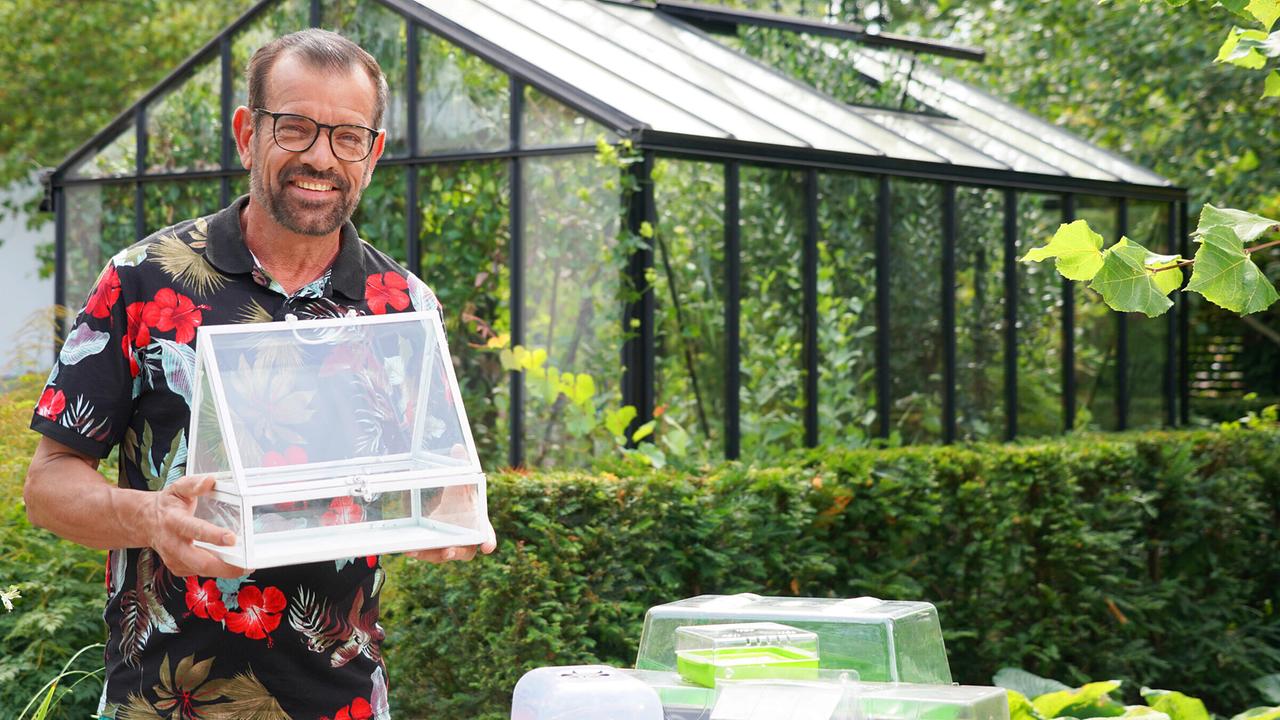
(359, 709)
(292, 455)
(342, 511)
(371, 560)
(171, 311)
(104, 294)
(383, 289)
(52, 403)
(205, 601)
(137, 335)
(259, 612)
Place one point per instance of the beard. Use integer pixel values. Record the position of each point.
(301, 216)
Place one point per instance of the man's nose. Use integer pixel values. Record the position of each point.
(320, 154)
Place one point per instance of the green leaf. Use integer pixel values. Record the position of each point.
(1027, 684)
(1245, 225)
(1265, 11)
(1226, 276)
(1259, 713)
(1142, 712)
(616, 421)
(644, 431)
(1241, 49)
(1089, 701)
(1078, 250)
(1176, 705)
(1128, 281)
(1269, 686)
(1020, 708)
(1272, 86)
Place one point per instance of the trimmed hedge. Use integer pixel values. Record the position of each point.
(1150, 557)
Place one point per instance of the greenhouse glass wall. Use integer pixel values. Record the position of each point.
(655, 195)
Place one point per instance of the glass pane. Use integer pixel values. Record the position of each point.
(328, 399)
(464, 240)
(846, 308)
(380, 217)
(915, 330)
(119, 157)
(1229, 357)
(169, 203)
(1148, 337)
(1039, 320)
(573, 299)
(99, 224)
(464, 102)
(980, 412)
(210, 453)
(689, 292)
(772, 369)
(381, 32)
(548, 122)
(183, 126)
(280, 18)
(1096, 330)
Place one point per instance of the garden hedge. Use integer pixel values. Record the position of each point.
(1153, 558)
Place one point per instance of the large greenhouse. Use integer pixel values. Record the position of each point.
(669, 197)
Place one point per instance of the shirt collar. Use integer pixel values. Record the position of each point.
(226, 250)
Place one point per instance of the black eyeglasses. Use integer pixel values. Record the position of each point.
(297, 133)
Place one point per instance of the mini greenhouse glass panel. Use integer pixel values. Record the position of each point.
(335, 437)
(883, 641)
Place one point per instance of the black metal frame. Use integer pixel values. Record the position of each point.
(639, 351)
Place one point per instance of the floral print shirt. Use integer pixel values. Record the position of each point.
(301, 641)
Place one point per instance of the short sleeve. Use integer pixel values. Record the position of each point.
(87, 400)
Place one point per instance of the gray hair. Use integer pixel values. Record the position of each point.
(321, 49)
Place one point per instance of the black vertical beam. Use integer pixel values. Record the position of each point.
(60, 260)
(883, 386)
(1171, 325)
(316, 16)
(140, 169)
(224, 116)
(1184, 320)
(638, 319)
(1068, 332)
(413, 219)
(1122, 334)
(948, 313)
(1010, 314)
(732, 310)
(810, 282)
(515, 267)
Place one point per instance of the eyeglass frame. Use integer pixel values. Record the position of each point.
(275, 118)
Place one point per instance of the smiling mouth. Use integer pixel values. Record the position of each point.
(314, 186)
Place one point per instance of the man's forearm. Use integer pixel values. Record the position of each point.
(66, 495)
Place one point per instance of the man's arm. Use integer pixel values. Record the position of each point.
(66, 495)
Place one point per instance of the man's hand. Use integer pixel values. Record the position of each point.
(463, 552)
(173, 527)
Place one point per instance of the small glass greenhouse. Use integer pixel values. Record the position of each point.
(666, 196)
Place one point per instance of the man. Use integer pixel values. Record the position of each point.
(190, 635)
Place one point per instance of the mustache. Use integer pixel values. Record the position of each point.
(309, 173)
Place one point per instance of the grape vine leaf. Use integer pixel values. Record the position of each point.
(1266, 11)
(1226, 276)
(1246, 226)
(1129, 280)
(1078, 250)
(1272, 87)
(1241, 48)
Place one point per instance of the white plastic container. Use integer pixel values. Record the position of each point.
(333, 438)
(583, 692)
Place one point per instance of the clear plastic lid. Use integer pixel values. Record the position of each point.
(706, 654)
(323, 400)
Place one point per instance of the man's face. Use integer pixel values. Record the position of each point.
(311, 192)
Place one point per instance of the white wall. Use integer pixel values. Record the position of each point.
(22, 292)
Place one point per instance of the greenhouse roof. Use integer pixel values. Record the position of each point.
(657, 79)
(668, 84)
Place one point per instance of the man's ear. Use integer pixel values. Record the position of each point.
(379, 144)
(242, 131)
